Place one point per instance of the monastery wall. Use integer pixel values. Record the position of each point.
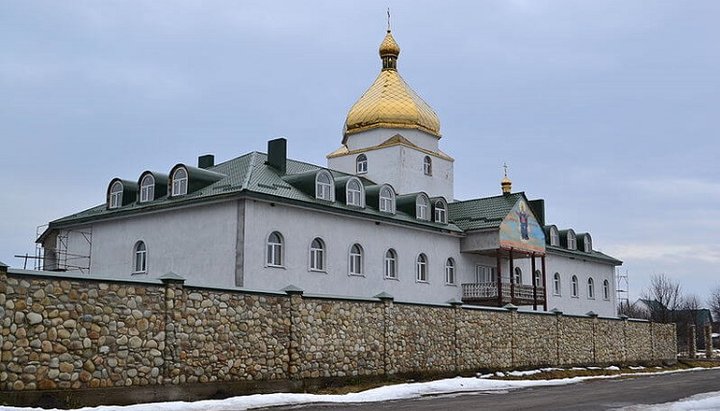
(65, 332)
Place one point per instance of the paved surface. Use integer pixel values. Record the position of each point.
(590, 395)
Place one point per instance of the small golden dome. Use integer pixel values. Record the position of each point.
(390, 102)
(506, 183)
(389, 46)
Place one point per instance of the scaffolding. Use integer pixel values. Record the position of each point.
(622, 288)
(58, 257)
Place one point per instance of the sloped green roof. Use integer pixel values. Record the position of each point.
(595, 255)
(250, 175)
(481, 213)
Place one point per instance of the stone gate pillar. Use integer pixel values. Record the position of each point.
(708, 341)
(174, 308)
(692, 348)
(296, 330)
(388, 330)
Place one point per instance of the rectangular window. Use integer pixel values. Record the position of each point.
(390, 269)
(449, 274)
(485, 274)
(316, 259)
(274, 257)
(356, 264)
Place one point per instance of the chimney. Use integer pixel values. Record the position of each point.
(206, 161)
(277, 154)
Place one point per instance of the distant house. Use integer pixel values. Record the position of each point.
(380, 217)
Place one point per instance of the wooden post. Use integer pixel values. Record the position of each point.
(532, 258)
(512, 278)
(499, 279)
(544, 282)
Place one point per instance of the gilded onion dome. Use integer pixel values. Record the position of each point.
(390, 102)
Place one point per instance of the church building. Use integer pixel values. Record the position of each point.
(380, 219)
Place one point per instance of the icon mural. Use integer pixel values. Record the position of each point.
(521, 231)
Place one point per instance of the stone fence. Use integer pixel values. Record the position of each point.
(63, 333)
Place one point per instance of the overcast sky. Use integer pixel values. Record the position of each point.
(608, 110)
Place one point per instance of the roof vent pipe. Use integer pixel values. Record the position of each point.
(277, 154)
(206, 161)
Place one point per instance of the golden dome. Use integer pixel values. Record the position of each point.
(389, 46)
(390, 102)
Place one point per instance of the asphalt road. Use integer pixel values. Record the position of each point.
(602, 394)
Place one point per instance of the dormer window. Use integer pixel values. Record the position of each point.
(179, 182)
(421, 207)
(147, 188)
(440, 212)
(587, 244)
(427, 166)
(323, 186)
(554, 237)
(116, 195)
(361, 164)
(354, 193)
(387, 200)
(571, 240)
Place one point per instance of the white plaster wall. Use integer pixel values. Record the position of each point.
(299, 227)
(197, 243)
(583, 269)
(376, 136)
(402, 167)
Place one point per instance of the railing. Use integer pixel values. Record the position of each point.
(523, 294)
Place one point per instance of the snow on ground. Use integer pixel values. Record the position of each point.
(385, 393)
(708, 401)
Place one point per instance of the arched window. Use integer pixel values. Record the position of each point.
(147, 188)
(518, 275)
(571, 240)
(387, 200)
(440, 212)
(556, 284)
(591, 288)
(587, 244)
(116, 195)
(354, 193)
(427, 166)
(317, 255)
(421, 268)
(391, 264)
(575, 286)
(554, 237)
(179, 182)
(537, 279)
(323, 186)
(140, 260)
(361, 164)
(606, 290)
(421, 207)
(356, 260)
(275, 250)
(450, 271)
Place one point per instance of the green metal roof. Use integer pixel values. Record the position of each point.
(592, 255)
(482, 213)
(249, 174)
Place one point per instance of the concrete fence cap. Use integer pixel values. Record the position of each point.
(556, 311)
(454, 301)
(510, 307)
(384, 296)
(293, 289)
(591, 314)
(171, 276)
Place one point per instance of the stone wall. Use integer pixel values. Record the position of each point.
(68, 332)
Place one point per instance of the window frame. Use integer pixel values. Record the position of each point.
(361, 164)
(606, 290)
(180, 184)
(450, 277)
(590, 288)
(386, 204)
(275, 251)
(537, 279)
(115, 197)
(390, 262)
(557, 284)
(554, 237)
(356, 260)
(571, 240)
(440, 213)
(422, 207)
(360, 193)
(587, 243)
(140, 258)
(574, 287)
(427, 166)
(317, 255)
(421, 268)
(517, 275)
(147, 191)
(324, 189)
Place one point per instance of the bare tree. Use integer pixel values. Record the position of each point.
(633, 310)
(663, 297)
(714, 303)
